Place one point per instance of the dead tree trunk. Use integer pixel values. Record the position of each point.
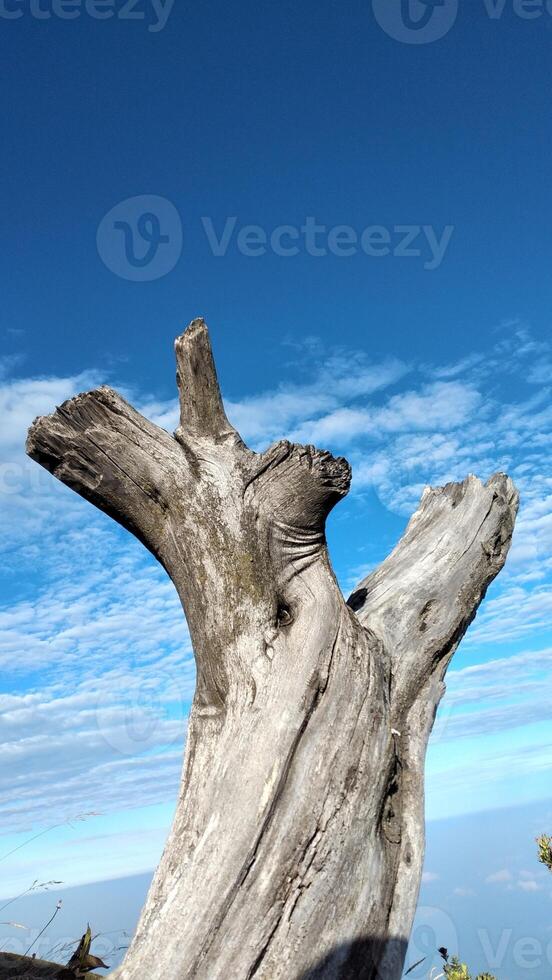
(297, 844)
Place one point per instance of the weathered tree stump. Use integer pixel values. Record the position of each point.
(297, 845)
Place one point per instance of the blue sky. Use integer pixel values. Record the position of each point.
(306, 129)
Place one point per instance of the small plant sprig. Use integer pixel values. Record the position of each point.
(43, 930)
(36, 886)
(454, 969)
(79, 818)
(545, 850)
(82, 960)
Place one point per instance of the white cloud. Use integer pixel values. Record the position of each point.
(428, 877)
(499, 877)
(541, 373)
(527, 875)
(513, 614)
(436, 407)
(460, 367)
(339, 380)
(97, 650)
(22, 400)
(499, 767)
(529, 886)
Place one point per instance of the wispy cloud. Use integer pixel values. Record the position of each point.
(499, 877)
(102, 676)
(428, 877)
(529, 886)
(339, 381)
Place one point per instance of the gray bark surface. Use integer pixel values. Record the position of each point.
(297, 845)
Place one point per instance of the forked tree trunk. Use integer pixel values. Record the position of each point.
(297, 845)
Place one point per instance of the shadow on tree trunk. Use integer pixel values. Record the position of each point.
(358, 960)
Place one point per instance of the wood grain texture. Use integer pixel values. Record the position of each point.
(297, 845)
